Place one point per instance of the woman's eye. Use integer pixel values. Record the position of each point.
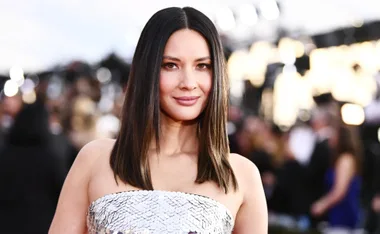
(203, 66)
(169, 66)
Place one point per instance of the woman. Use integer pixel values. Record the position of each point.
(341, 203)
(169, 170)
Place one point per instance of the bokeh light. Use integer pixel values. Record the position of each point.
(10, 88)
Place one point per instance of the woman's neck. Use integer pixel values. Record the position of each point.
(177, 137)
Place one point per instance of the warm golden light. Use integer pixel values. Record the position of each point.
(286, 48)
(377, 54)
(255, 70)
(29, 97)
(344, 84)
(292, 93)
(319, 59)
(352, 114)
(320, 81)
(262, 50)
(300, 49)
(285, 107)
(237, 64)
(16, 74)
(10, 88)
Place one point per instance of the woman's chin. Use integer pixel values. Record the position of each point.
(183, 117)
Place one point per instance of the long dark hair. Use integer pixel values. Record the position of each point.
(141, 111)
(348, 143)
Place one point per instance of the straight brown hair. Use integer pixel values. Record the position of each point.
(140, 121)
(348, 143)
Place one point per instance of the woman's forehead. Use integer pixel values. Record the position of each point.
(186, 43)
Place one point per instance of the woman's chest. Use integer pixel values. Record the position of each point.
(154, 211)
(104, 183)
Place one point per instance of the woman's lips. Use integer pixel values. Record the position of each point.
(187, 100)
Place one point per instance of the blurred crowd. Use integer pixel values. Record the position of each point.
(41, 137)
(317, 174)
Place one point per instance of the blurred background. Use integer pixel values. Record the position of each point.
(304, 101)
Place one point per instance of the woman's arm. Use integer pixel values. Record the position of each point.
(252, 216)
(70, 216)
(344, 172)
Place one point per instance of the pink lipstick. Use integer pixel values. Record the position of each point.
(187, 100)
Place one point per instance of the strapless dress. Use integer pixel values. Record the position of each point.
(158, 212)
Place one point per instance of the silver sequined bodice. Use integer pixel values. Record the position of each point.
(158, 212)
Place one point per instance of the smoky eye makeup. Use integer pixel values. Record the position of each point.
(169, 65)
(204, 66)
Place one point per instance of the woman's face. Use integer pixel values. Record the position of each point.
(186, 75)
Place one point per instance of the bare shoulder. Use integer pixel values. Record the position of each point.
(70, 216)
(98, 146)
(252, 216)
(346, 164)
(244, 169)
(346, 158)
(89, 158)
(95, 150)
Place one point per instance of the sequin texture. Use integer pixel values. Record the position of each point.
(158, 212)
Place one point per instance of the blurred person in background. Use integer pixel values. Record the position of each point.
(324, 120)
(31, 174)
(2, 130)
(262, 151)
(9, 108)
(234, 125)
(275, 178)
(370, 174)
(60, 140)
(253, 139)
(342, 202)
(174, 121)
(302, 175)
(376, 205)
(87, 86)
(83, 121)
(241, 141)
(79, 111)
(79, 127)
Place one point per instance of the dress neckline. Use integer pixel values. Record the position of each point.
(166, 192)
